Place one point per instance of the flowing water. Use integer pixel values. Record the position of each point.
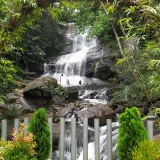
(97, 64)
(69, 70)
(91, 144)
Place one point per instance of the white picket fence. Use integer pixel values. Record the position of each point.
(73, 136)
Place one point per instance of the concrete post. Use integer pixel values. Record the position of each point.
(109, 139)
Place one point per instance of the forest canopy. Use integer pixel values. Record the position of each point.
(133, 25)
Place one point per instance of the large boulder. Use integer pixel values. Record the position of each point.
(72, 93)
(34, 88)
(100, 111)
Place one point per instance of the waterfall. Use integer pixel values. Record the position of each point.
(72, 67)
(45, 68)
(74, 63)
(48, 68)
(97, 64)
(103, 143)
(91, 152)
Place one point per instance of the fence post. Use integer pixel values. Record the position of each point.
(109, 139)
(50, 123)
(85, 139)
(96, 137)
(62, 136)
(26, 123)
(73, 139)
(4, 129)
(16, 125)
(150, 129)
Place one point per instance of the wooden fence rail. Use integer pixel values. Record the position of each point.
(73, 136)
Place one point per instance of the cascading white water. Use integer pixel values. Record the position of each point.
(91, 144)
(72, 67)
(95, 97)
(74, 63)
(103, 143)
(97, 64)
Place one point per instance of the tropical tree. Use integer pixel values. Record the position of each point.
(15, 18)
(42, 39)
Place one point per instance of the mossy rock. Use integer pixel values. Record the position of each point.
(34, 88)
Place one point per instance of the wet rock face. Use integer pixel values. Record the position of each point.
(68, 38)
(104, 69)
(100, 63)
(33, 89)
(72, 108)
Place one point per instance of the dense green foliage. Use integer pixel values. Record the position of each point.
(88, 15)
(139, 66)
(56, 92)
(25, 37)
(14, 16)
(147, 150)
(131, 132)
(135, 27)
(42, 39)
(40, 129)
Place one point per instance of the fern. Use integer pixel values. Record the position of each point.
(154, 63)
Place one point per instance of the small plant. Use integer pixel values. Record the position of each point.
(147, 150)
(39, 127)
(131, 132)
(2, 99)
(2, 149)
(56, 91)
(20, 148)
(7, 86)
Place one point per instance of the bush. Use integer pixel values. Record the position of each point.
(3, 145)
(20, 148)
(59, 90)
(8, 86)
(39, 127)
(131, 132)
(13, 111)
(147, 150)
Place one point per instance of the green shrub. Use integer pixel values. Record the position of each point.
(131, 132)
(147, 150)
(39, 127)
(59, 90)
(13, 111)
(3, 145)
(2, 99)
(20, 148)
(8, 86)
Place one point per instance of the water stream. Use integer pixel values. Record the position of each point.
(71, 67)
(97, 64)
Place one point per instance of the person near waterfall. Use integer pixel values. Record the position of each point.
(68, 81)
